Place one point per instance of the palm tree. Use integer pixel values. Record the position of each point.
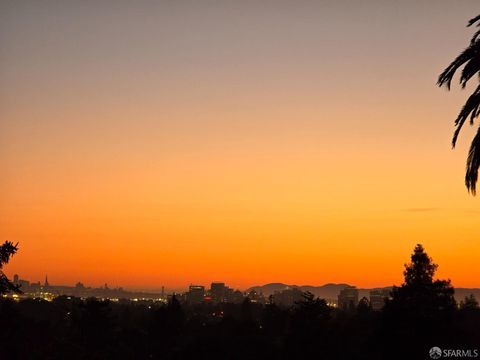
(469, 59)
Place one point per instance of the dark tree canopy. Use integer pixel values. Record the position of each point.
(420, 293)
(7, 250)
(470, 303)
(364, 306)
(421, 269)
(469, 59)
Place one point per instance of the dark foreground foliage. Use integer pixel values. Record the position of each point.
(7, 250)
(93, 329)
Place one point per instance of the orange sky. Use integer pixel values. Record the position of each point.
(301, 142)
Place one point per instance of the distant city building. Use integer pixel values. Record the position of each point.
(218, 291)
(348, 298)
(23, 284)
(48, 291)
(195, 294)
(35, 287)
(287, 297)
(378, 298)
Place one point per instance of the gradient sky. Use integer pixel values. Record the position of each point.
(175, 142)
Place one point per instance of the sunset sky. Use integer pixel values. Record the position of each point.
(173, 142)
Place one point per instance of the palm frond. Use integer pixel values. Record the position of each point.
(472, 66)
(470, 109)
(470, 60)
(474, 20)
(475, 37)
(446, 76)
(473, 163)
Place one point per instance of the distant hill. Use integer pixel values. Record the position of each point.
(331, 291)
(460, 293)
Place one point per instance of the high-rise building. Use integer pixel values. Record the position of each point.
(218, 291)
(348, 298)
(15, 279)
(195, 294)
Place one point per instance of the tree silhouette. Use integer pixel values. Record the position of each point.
(246, 311)
(310, 314)
(7, 250)
(420, 294)
(364, 306)
(470, 303)
(308, 327)
(421, 270)
(469, 59)
(420, 311)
